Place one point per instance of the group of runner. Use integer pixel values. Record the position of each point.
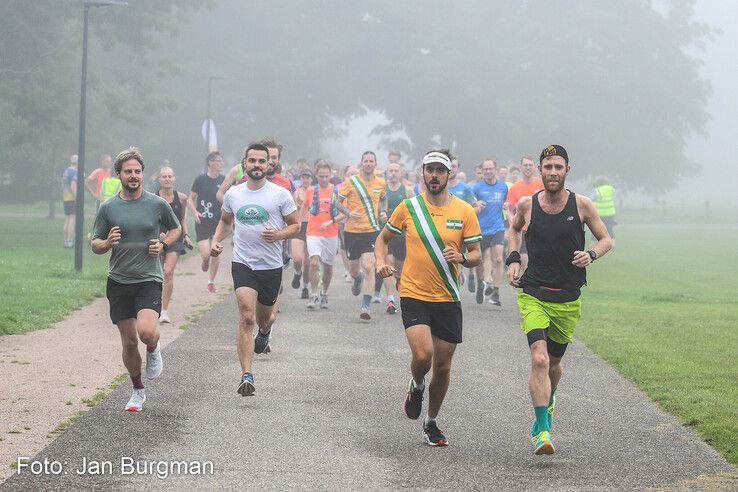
(416, 241)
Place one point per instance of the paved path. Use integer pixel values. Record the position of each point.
(327, 416)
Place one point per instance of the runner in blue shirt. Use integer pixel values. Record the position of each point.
(491, 194)
(462, 190)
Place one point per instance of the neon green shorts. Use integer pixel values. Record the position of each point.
(560, 318)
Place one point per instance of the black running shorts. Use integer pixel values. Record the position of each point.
(358, 243)
(266, 283)
(205, 229)
(496, 239)
(126, 300)
(70, 207)
(444, 318)
(396, 247)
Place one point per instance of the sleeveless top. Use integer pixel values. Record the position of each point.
(551, 240)
(176, 208)
(394, 198)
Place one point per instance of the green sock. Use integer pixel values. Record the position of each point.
(542, 418)
(551, 400)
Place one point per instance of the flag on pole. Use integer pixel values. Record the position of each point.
(213, 144)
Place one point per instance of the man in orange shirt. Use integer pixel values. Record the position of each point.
(93, 182)
(364, 205)
(526, 186)
(437, 225)
(322, 233)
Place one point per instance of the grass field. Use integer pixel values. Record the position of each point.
(662, 309)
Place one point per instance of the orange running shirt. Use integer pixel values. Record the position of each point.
(324, 212)
(363, 196)
(521, 189)
(426, 276)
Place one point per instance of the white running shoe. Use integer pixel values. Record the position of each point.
(135, 404)
(164, 317)
(154, 364)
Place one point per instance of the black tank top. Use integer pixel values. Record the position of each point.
(551, 241)
(176, 205)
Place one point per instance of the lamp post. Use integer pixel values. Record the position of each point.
(210, 106)
(80, 205)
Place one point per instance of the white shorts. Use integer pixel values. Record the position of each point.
(325, 247)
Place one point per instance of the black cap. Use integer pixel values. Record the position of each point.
(552, 150)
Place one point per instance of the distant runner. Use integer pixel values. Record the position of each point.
(69, 196)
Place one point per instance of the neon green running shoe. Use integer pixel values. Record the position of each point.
(543, 444)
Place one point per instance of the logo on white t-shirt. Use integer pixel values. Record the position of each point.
(252, 215)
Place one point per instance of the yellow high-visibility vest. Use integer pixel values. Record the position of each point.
(604, 200)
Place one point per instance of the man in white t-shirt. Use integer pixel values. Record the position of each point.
(264, 215)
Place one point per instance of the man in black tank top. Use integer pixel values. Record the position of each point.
(549, 302)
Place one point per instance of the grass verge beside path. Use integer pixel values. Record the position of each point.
(38, 283)
(662, 310)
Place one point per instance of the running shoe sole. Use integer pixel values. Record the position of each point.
(296, 281)
(134, 409)
(440, 444)
(356, 287)
(415, 413)
(544, 447)
(365, 316)
(391, 309)
(246, 388)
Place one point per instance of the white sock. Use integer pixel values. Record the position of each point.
(428, 419)
(420, 386)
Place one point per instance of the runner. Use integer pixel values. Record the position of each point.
(436, 225)
(492, 194)
(462, 190)
(129, 225)
(265, 215)
(206, 209)
(93, 182)
(110, 187)
(69, 197)
(362, 194)
(322, 234)
(395, 192)
(297, 243)
(178, 201)
(525, 186)
(348, 172)
(549, 302)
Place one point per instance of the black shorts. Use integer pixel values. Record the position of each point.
(496, 239)
(70, 207)
(358, 243)
(396, 247)
(205, 229)
(302, 235)
(126, 300)
(444, 318)
(266, 283)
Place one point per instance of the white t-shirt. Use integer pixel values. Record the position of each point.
(254, 211)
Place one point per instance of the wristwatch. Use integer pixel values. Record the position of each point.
(592, 254)
(463, 259)
(164, 245)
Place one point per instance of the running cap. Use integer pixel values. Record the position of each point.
(305, 172)
(437, 157)
(552, 150)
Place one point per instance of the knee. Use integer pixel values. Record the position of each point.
(497, 260)
(314, 261)
(147, 336)
(539, 360)
(247, 321)
(424, 358)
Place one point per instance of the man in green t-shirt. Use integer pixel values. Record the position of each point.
(129, 225)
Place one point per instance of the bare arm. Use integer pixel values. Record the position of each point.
(227, 183)
(380, 253)
(191, 203)
(591, 218)
(223, 229)
(514, 238)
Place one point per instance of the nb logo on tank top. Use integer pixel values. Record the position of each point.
(569, 218)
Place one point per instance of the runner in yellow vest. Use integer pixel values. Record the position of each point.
(109, 188)
(604, 202)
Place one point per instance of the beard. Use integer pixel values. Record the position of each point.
(438, 191)
(553, 186)
(255, 174)
(271, 170)
(130, 189)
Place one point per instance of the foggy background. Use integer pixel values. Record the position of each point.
(641, 92)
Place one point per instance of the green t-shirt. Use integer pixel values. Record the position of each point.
(140, 221)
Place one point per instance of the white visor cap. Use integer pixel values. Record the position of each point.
(437, 157)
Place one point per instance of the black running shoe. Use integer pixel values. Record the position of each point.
(433, 434)
(356, 286)
(413, 402)
(296, 280)
(247, 388)
(480, 291)
(261, 342)
(488, 290)
(305, 294)
(472, 282)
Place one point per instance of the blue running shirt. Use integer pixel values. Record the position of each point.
(490, 218)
